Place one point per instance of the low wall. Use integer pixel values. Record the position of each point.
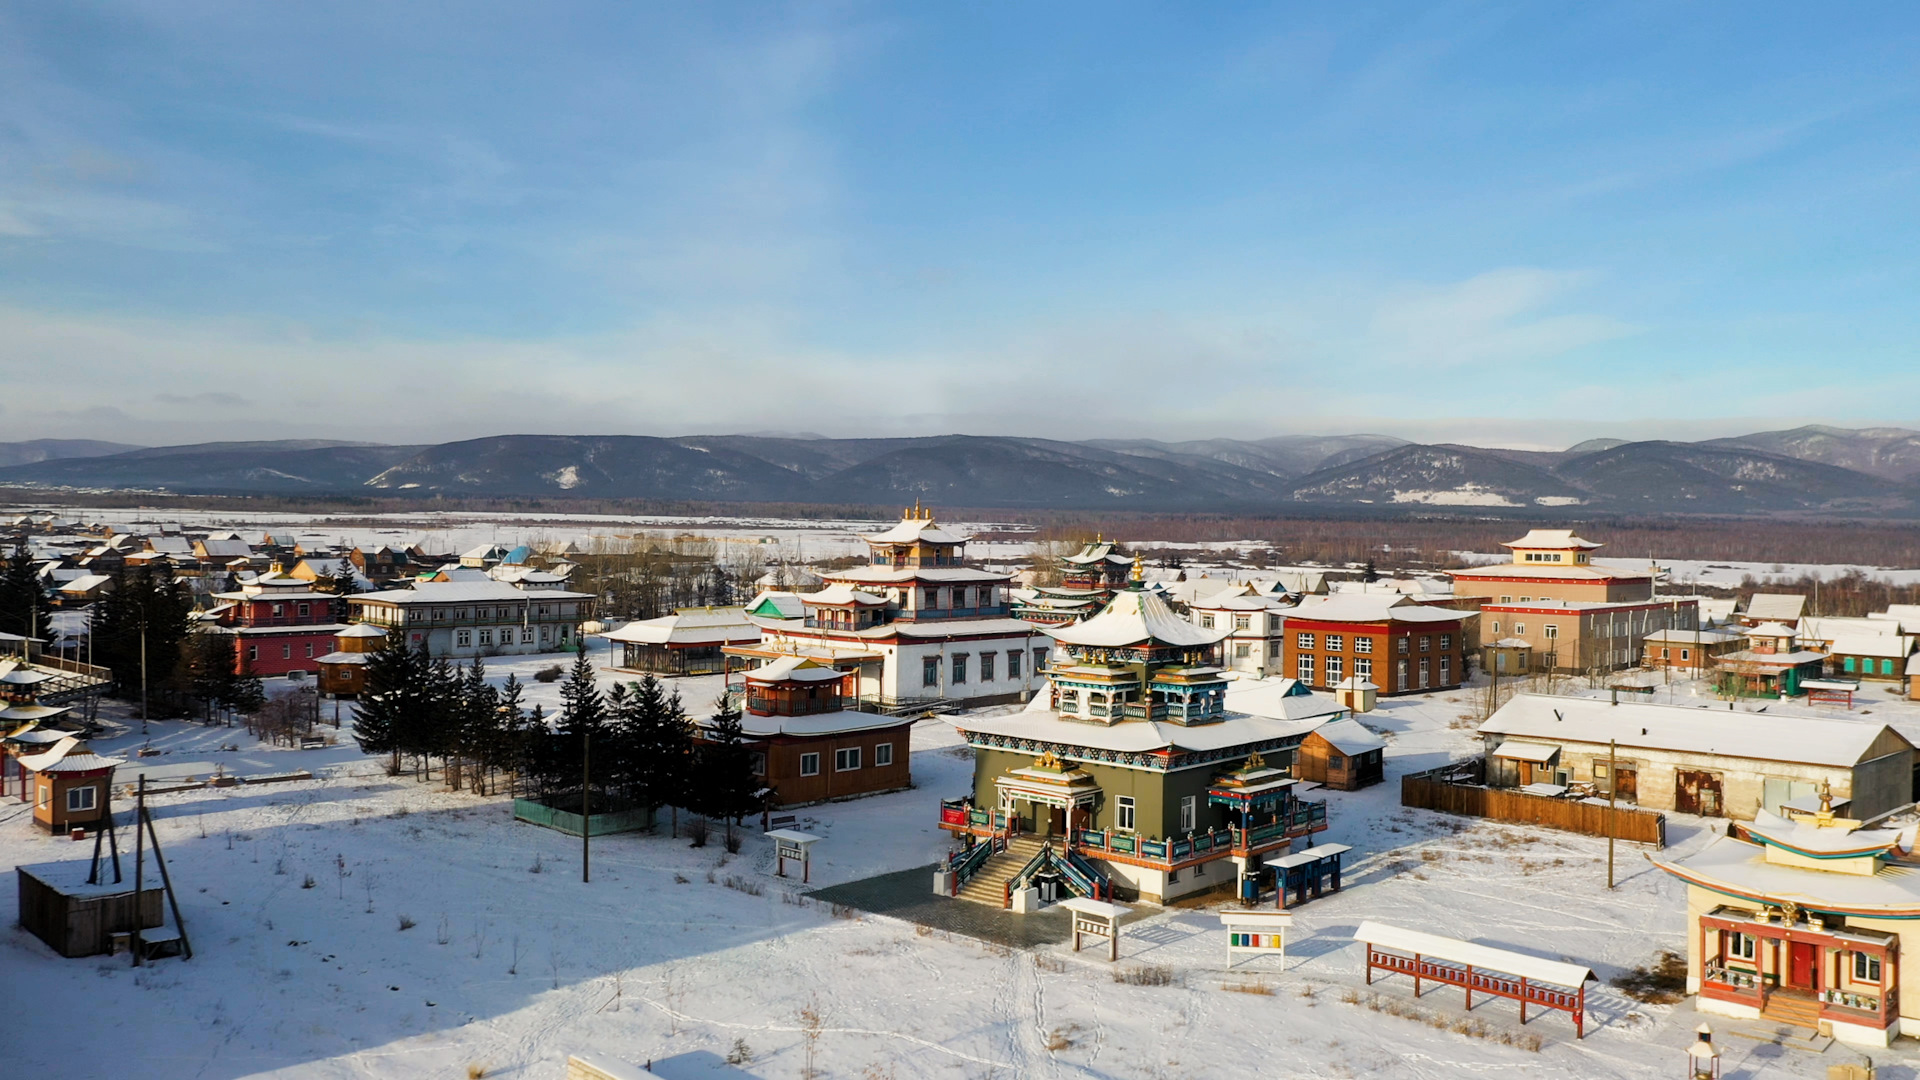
(1426, 791)
(619, 821)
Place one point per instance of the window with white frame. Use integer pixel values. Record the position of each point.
(486, 636)
(463, 638)
(526, 635)
(1303, 668)
(1241, 622)
(1683, 654)
(883, 754)
(1334, 673)
(82, 798)
(846, 759)
(1190, 814)
(1401, 645)
(1206, 622)
(810, 764)
(1363, 644)
(1336, 642)
(1446, 670)
(286, 651)
(1739, 946)
(1496, 627)
(309, 650)
(1519, 628)
(1446, 641)
(1303, 641)
(1363, 667)
(253, 652)
(303, 609)
(1123, 813)
(1242, 650)
(1866, 966)
(1552, 631)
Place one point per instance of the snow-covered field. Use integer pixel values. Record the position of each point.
(673, 953)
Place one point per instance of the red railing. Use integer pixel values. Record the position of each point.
(1572, 1002)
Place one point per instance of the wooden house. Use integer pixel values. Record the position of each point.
(1342, 755)
(343, 672)
(807, 748)
(72, 786)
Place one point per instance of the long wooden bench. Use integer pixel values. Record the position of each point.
(1530, 980)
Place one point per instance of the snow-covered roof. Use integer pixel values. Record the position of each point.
(344, 657)
(1771, 629)
(1137, 736)
(1781, 606)
(1356, 682)
(465, 592)
(1365, 608)
(224, 549)
(690, 626)
(1279, 699)
(1892, 646)
(915, 529)
(1478, 957)
(778, 604)
(1741, 868)
(1771, 736)
(85, 583)
(901, 575)
(1133, 618)
(362, 630)
(842, 593)
(68, 755)
(793, 669)
(1692, 637)
(1538, 753)
(1550, 540)
(1350, 737)
(1556, 571)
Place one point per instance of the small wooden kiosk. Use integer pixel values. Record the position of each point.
(72, 785)
(78, 917)
(343, 672)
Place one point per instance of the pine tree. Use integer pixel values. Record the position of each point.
(583, 717)
(510, 732)
(378, 714)
(665, 753)
(727, 786)
(24, 607)
(211, 679)
(1370, 572)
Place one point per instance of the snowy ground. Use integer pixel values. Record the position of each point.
(672, 953)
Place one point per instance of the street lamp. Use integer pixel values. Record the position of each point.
(1703, 1058)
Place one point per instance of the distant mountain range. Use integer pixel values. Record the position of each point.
(1871, 471)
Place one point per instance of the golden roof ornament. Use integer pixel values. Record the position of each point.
(1139, 569)
(1255, 761)
(1049, 762)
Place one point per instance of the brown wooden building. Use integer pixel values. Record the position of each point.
(808, 749)
(72, 786)
(1342, 755)
(343, 672)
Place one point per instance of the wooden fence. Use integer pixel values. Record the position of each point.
(1427, 791)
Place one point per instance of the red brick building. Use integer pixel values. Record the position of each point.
(807, 748)
(1401, 646)
(278, 624)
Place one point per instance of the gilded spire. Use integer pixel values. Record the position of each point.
(1139, 569)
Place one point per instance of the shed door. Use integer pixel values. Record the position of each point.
(1697, 793)
(1626, 784)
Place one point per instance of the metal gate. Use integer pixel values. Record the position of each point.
(1698, 793)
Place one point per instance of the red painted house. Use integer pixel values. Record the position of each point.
(1400, 646)
(278, 624)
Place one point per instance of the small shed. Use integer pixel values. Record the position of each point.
(1356, 693)
(343, 672)
(78, 917)
(1343, 755)
(72, 785)
(688, 642)
(1507, 656)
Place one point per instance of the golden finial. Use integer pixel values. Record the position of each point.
(1139, 570)
(1255, 761)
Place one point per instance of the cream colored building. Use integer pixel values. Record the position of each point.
(1551, 564)
(1683, 758)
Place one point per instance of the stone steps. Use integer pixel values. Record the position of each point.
(989, 885)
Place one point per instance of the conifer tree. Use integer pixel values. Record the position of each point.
(727, 787)
(510, 732)
(24, 606)
(378, 714)
(583, 716)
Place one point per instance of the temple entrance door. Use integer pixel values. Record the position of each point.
(1056, 821)
(1802, 959)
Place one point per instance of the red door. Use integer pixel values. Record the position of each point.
(1801, 958)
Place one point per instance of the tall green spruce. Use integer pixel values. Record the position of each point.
(24, 606)
(583, 718)
(146, 603)
(384, 714)
(726, 785)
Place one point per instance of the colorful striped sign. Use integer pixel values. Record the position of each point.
(1257, 941)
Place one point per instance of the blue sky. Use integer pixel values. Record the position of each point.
(1526, 223)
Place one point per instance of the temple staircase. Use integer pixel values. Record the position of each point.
(1797, 1011)
(988, 884)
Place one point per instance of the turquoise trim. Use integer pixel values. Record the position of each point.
(1782, 845)
(1759, 899)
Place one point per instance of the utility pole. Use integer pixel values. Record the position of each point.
(139, 866)
(1613, 792)
(143, 676)
(586, 806)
